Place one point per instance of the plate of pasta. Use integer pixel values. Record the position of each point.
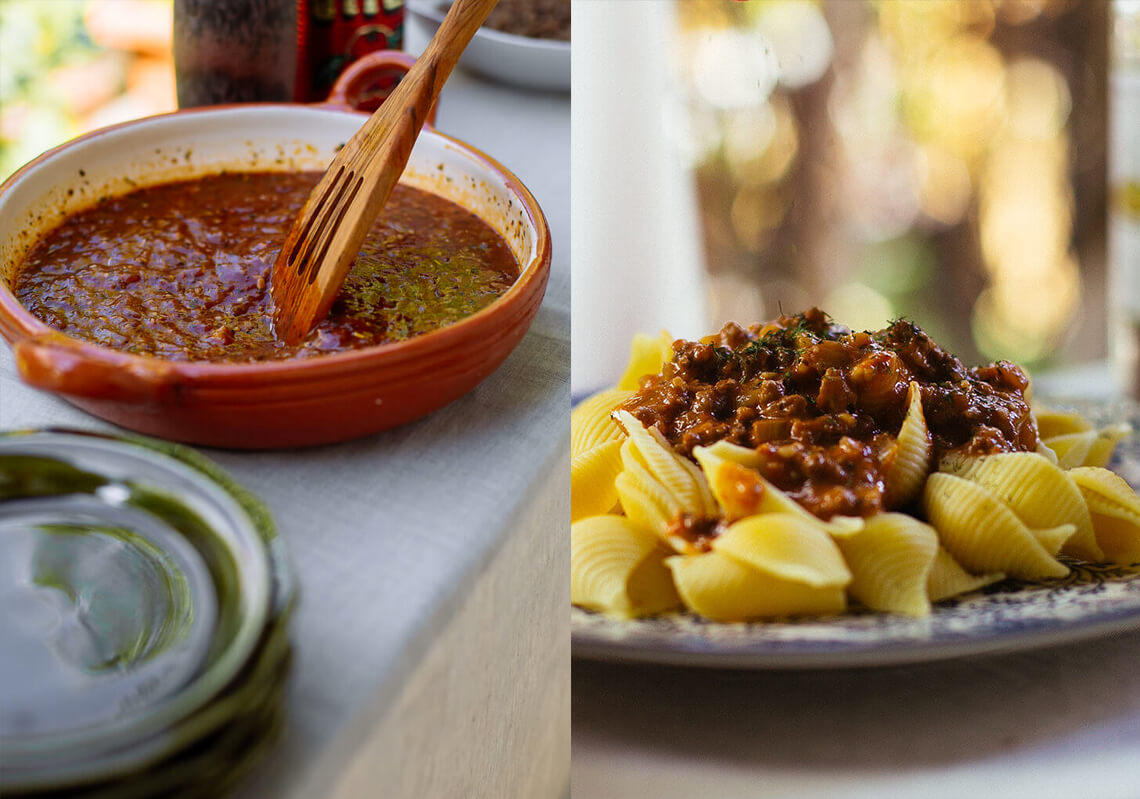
(796, 494)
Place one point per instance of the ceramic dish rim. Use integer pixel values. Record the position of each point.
(23, 325)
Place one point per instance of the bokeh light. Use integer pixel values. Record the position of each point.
(906, 157)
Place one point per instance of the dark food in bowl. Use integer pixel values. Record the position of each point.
(822, 404)
(538, 19)
(181, 270)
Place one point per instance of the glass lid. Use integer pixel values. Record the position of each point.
(133, 589)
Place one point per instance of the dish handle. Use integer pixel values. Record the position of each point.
(369, 80)
(53, 362)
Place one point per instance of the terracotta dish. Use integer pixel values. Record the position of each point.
(267, 404)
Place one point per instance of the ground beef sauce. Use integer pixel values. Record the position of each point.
(182, 270)
(822, 405)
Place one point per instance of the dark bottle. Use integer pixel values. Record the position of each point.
(235, 51)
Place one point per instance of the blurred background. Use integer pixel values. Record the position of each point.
(943, 160)
(70, 66)
(940, 159)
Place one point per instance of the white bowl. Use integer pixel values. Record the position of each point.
(504, 57)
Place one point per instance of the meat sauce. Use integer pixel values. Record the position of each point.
(822, 405)
(181, 270)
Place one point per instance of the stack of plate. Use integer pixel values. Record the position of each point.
(143, 607)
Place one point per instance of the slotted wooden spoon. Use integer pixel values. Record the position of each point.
(326, 236)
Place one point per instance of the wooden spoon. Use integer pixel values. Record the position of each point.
(328, 233)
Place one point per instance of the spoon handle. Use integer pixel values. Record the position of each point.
(328, 233)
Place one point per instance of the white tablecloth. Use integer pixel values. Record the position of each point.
(432, 647)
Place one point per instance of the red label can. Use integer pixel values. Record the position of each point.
(331, 34)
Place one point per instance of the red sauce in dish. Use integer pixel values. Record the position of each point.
(822, 405)
(181, 270)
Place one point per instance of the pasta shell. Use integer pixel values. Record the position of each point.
(786, 546)
(592, 423)
(948, 578)
(618, 568)
(723, 589)
(725, 450)
(1052, 422)
(1041, 494)
(592, 476)
(1115, 511)
(982, 533)
(1053, 538)
(678, 475)
(739, 490)
(645, 501)
(1100, 453)
(1044, 451)
(647, 356)
(890, 561)
(910, 461)
(1071, 449)
(1106, 492)
(1119, 537)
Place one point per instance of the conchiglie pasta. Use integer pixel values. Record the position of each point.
(890, 561)
(646, 502)
(983, 534)
(1100, 453)
(1115, 511)
(1106, 491)
(1086, 447)
(1053, 538)
(593, 476)
(1044, 451)
(947, 578)
(713, 532)
(1052, 422)
(1071, 449)
(739, 490)
(679, 476)
(1039, 493)
(786, 546)
(648, 354)
(910, 459)
(726, 450)
(618, 568)
(592, 422)
(656, 485)
(723, 589)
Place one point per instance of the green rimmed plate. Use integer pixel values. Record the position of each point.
(151, 587)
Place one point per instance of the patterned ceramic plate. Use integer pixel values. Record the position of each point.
(1093, 600)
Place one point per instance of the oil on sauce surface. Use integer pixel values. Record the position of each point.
(181, 270)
